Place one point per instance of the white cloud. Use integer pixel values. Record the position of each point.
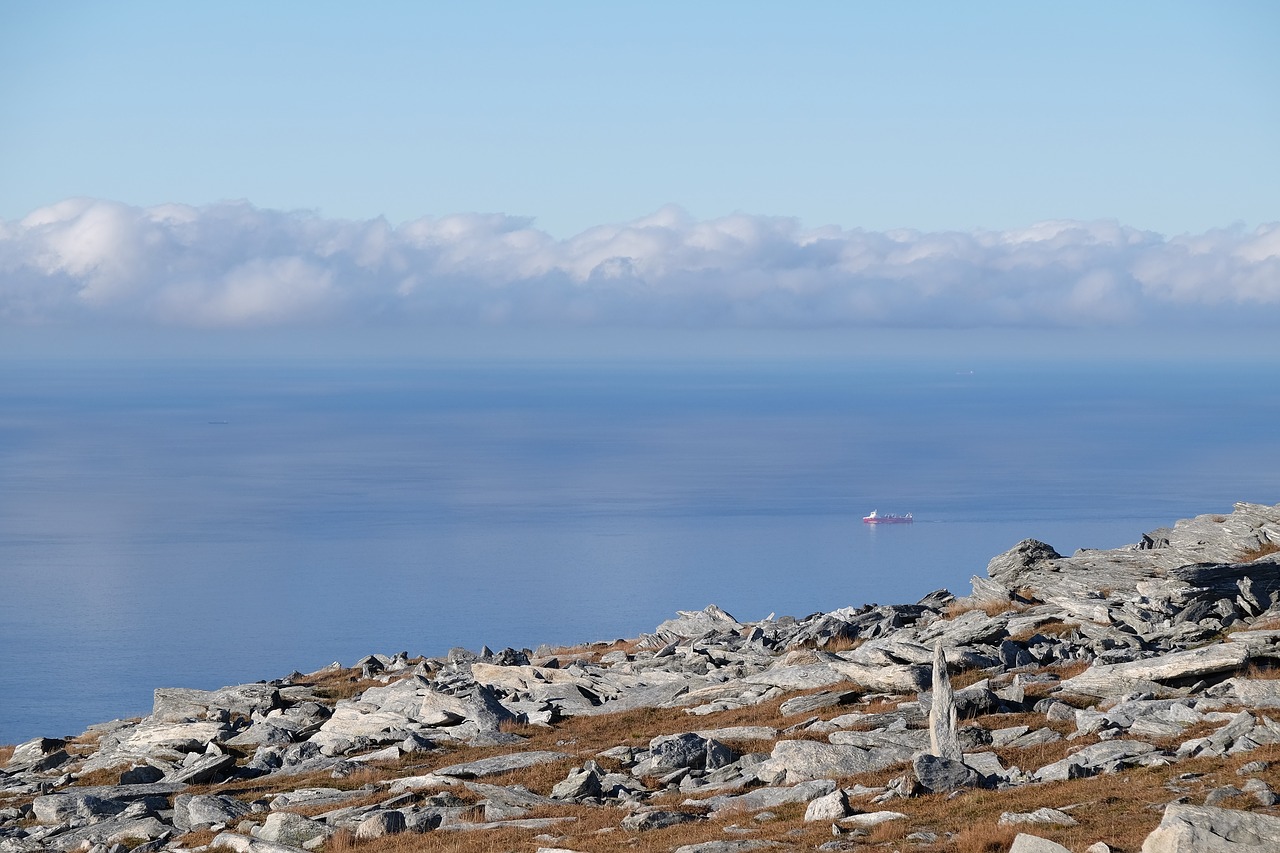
(233, 265)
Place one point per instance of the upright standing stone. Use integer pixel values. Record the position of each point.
(943, 741)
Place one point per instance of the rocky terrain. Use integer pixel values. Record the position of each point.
(1110, 700)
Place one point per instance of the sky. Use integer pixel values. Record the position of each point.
(362, 171)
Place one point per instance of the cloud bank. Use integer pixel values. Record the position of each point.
(232, 265)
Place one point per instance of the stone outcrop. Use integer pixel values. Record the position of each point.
(1168, 643)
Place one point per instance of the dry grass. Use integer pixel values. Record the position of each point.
(6, 753)
(193, 840)
(985, 837)
(842, 644)
(102, 776)
(1265, 549)
(1052, 628)
(336, 684)
(991, 607)
(1265, 670)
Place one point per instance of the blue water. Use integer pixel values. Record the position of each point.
(208, 525)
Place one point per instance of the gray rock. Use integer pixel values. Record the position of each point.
(1157, 675)
(795, 761)
(1107, 756)
(1043, 815)
(580, 784)
(500, 764)
(175, 704)
(768, 798)
(817, 701)
(1025, 843)
(34, 753)
(828, 807)
(56, 808)
(380, 824)
(291, 829)
(739, 846)
(943, 774)
(645, 820)
(208, 768)
(192, 811)
(1204, 829)
(692, 624)
(942, 711)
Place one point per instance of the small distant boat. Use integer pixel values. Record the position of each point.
(887, 518)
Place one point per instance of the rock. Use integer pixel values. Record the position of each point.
(208, 768)
(500, 764)
(1107, 756)
(795, 761)
(817, 701)
(580, 784)
(866, 820)
(291, 829)
(739, 846)
(768, 798)
(1204, 829)
(828, 807)
(193, 811)
(176, 704)
(943, 774)
(1025, 843)
(244, 844)
(380, 824)
(692, 624)
(56, 808)
(1158, 675)
(942, 711)
(143, 774)
(900, 678)
(1042, 815)
(1009, 568)
(35, 752)
(643, 821)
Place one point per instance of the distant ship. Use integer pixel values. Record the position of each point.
(887, 518)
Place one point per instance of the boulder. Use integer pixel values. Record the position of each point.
(57, 808)
(942, 711)
(1205, 829)
(176, 704)
(500, 764)
(191, 811)
(1024, 843)
(943, 774)
(380, 824)
(291, 829)
(828, 807)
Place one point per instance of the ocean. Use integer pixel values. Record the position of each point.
(198, 525)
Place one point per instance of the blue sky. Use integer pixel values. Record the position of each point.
(723, 148)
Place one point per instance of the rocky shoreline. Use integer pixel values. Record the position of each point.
(712, 735)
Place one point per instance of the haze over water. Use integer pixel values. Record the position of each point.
(202, 525)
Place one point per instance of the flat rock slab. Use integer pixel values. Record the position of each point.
(769, 798)
(1195, 829)
(500, 764)
(1105, 680)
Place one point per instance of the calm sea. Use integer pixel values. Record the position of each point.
(209, 525)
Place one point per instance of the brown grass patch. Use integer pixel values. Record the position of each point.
(102, 776)
(1052, 628)
(990, 606)
(1267, 671)
(335, 684)
(985, 837)
(197, 839)
(6, 753)
(1264, 549)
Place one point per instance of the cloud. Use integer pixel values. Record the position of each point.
(232, 265)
